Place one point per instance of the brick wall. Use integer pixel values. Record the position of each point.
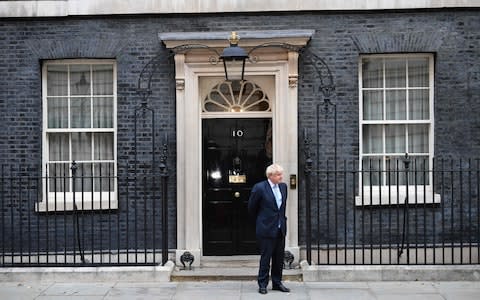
(452, 35)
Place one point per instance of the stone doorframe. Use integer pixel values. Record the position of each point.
(189, 67)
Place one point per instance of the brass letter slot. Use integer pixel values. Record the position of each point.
(237, 179)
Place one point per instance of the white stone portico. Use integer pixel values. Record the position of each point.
(272, 62)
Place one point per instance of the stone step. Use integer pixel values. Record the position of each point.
(235, 261)
(227, 273)
(236, 267)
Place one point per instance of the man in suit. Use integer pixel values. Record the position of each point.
(267, 204)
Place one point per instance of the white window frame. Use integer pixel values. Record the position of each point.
(388, 195)
(64, 201)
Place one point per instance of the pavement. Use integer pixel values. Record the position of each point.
(235, 290)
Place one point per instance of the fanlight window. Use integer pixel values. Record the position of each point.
(236, 96)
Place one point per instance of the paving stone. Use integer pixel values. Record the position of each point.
(143, 293)
(208, 290)
(78, 289)
(344, 294)
(458, 285)
(80, 297)
(241, 290)
(129, 284)
(409, 297)
(462, 295)
(400, 287)
(21, 291)
(250, 291)
(459, 290)
(297, 295)
(337, 285)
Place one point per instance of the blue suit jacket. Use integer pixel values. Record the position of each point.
(262, 206)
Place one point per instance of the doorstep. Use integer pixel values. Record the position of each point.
(228, 268)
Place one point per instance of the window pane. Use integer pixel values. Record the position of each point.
(59, 177)
(216, 99)
(249, 97)
(419, 173)
(418, 138)
(372, 73)
(80, 80)
(395, 73)
(395, 138)
(103, 112)
(80, 113)
(372, 139)
(373, 105)
(83, 179)
(396, 105)
(57, 109)
(418, 72)
(104, 177)
(418, 108)
(370, 170)
(81, 146)
(103, 148)
(58, 149)
(102, 79)
(396, 171)
(57, 80)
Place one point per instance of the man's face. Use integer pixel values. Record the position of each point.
(276, 178)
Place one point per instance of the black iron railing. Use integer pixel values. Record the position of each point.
(410, 213)
(404, 211)
(67, 216)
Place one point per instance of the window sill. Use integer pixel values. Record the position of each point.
(392, 196)
(85, 201)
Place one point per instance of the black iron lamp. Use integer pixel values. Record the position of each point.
(233, 58)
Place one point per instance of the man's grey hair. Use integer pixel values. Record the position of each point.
(273, 169)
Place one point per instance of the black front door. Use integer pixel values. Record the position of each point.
(235, 155)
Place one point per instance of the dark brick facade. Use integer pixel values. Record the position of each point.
(453, 36)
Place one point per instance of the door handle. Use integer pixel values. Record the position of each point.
(236, 194)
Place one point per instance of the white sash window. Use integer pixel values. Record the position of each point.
(79, 110)
(396, 117)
